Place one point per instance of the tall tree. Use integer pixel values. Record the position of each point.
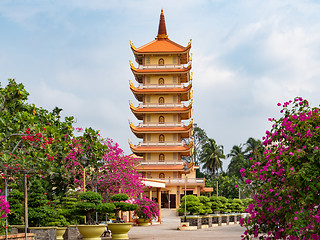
(238, 161)
(254, 149)
(199, 138)
(211, 157)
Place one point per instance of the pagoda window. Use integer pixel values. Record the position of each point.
(148, 98)
(148, 118)
(174, 118)
(174, 79)
(161, 175)
(148, 80)
(175, 157)
(161, 157)
(161, 81)
(175, 137)
(161, 100)
(161, 61)
(174, 60)
(174, 174)
(161, 119)
(147, 60)
(149, 175)
(161, 138)
(174, 98)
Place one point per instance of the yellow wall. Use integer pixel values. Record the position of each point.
(169, 118)
(168, 59)
(154, 157)
(168, 79)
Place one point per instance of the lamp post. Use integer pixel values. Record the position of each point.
(84, 161)
(185, 169)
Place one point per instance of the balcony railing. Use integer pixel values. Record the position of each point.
(166, 143)
(145, 162)
(166, 124)
(157, 105)
(181, 181)
(160, 86)
(166, 66)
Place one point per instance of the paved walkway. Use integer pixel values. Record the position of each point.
(168, 230)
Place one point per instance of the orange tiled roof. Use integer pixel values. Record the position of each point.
(162, 44)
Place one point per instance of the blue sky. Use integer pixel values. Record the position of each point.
(248, 55)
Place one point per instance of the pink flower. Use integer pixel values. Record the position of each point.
(247, 181)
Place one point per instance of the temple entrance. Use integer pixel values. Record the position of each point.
(164, 199)
(172, 201)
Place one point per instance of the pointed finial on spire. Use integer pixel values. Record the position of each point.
(162, 31)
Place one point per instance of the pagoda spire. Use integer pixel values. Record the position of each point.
(162, 31)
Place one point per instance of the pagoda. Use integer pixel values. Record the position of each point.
(164, 93)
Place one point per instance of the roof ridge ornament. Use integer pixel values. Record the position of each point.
(162, 30)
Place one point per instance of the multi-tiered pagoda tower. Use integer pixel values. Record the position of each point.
(165, 94)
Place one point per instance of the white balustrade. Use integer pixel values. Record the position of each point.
(165, 124)
(166, 143)
(165, 105)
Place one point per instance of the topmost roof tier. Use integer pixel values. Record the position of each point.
(161, 45)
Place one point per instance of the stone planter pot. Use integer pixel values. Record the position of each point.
(91, 232)
(119, 230)
(59, 232)
(48, 233)
(143, 222)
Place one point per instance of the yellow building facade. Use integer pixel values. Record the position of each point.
(163, 90)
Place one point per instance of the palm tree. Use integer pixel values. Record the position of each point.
(254, 149)
(238, 161)
(211, 156)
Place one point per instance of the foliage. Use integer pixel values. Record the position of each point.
(16, 215)
(120, 205)
(147, 209)
(237, 205)
(286, 179)
(41, 210)
(238, 161)
(32, 138)
(206, 208)
(194, 206)
(199, 138)
(108, 169)
(90, 202)
(211, 157)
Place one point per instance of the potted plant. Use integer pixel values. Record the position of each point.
(119, 228)
(89, 203)
(146, 211)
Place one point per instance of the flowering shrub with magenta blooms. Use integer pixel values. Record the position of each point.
(286, 180)
(147, 209)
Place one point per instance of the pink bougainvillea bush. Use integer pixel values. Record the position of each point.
(108, 169)
(4, 210)
(286, 181)
(147, 209)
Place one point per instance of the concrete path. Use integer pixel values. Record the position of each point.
(168, 230)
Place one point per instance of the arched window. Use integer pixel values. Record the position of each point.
(161, 61)
(161, 157)
(161, 119)
(161, 81)
(161, 100)
(161, 138)
(161, 175)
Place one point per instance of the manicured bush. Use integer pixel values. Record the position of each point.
(120, 205)
(206, 208)
(90, 202)
(194, 206)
